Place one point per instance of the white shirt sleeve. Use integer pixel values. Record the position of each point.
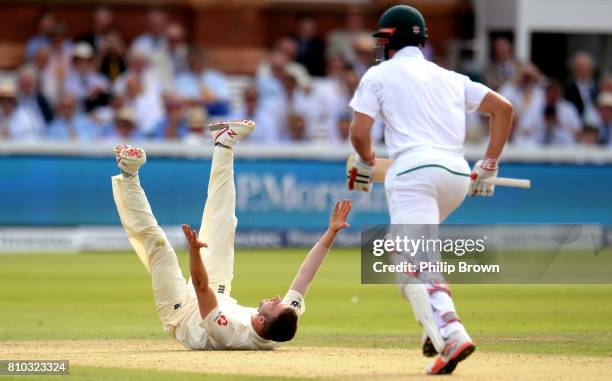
(368, 96)
(474, 94)
(295, 300)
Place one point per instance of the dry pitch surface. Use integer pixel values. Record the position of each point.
(309, 362)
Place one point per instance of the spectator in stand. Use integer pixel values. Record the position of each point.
(604, 103)
(363, 55)
(155, 37)
(173, 125)
(200, 85)
(104, 117)
(271, 73)
(503, 66)
(90, 88)
(69, 123)
(332, 93)
(341, 41)
(172, 59)
(8, 105)
(30, 98)
(526, 94)
(111, 55)
(559, 122)
(310, 48)
(58, 64)
(296, 126)
(125, 128)
(39, 64)
(44, 24)
(102, 23)
(15, 123)
(300, 102)
(270, 82)
(582, 89)
(288, 46)
(141, 92)
(589, 136)
(344, 126)
(268, 117)
(605, 86)
(196, 124)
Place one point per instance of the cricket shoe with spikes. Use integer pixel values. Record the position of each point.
(130, 159)
(458, 347)
(428, 348)
(227, 133)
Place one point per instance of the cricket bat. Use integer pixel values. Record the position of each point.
(382, 165)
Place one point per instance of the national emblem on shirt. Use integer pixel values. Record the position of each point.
(221, 320)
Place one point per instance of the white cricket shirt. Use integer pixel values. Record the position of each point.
(422, 105)
(228, 326)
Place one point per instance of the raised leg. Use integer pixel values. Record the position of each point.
(219, 222)
(152, 247)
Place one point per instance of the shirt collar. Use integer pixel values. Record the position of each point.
(410, 51)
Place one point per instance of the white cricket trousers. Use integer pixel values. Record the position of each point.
(170, 289)
(428, 195)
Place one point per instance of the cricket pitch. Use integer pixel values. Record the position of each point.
(338, 363)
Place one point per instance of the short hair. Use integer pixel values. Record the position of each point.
(283, 327)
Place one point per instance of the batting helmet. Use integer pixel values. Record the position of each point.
(399, 26)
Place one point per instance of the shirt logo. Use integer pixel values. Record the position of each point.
(416, 29)
(222, 321)
(177, 306)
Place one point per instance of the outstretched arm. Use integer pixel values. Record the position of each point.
(317, 254)
(207, 301)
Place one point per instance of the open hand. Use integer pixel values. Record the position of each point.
(192, 238)
(337, 221)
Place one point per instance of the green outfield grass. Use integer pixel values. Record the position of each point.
(107, 295)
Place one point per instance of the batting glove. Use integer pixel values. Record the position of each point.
(358, 175)
(483, 169)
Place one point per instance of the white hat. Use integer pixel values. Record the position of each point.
(605, 99)
(8, 89)
(82, 50)
(126, 114)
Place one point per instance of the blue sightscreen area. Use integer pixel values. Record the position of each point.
(278, 194)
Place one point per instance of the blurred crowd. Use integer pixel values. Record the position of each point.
(161, 86)
(99, 87)
(547, 111)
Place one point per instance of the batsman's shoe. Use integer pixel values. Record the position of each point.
(130, 159)
(227, 133)
(458, 347)
(428, 348)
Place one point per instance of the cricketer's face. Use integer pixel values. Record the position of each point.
(271, 307)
